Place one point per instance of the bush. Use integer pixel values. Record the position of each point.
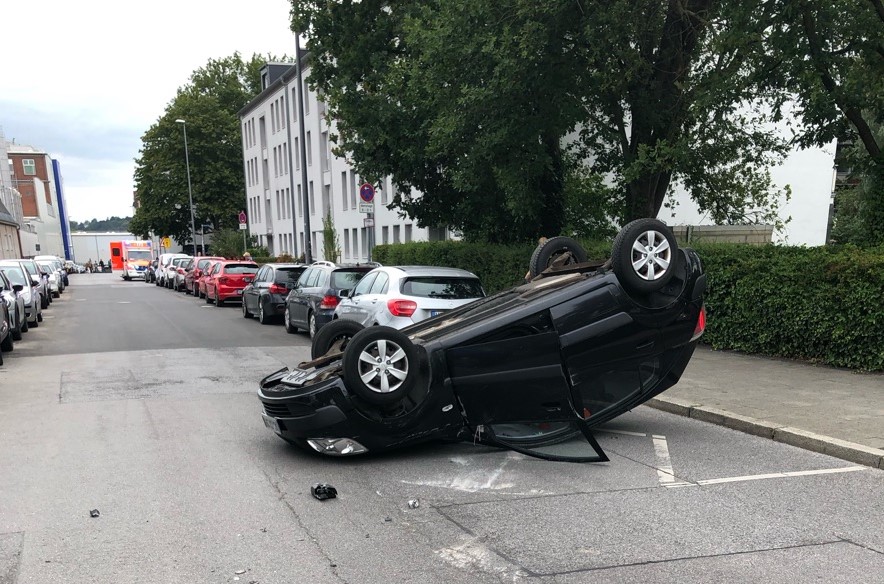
(821, 304)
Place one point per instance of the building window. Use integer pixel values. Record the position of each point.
(384, 189)
(347, 243)
(385, 234)
(312, 199)
(28, 166)
(297, 154)
(308, 143)
(306, 98)
(300, 205)
(396, 234)
(408, 233)
(344, 190)
(353, 189)
(324, 151)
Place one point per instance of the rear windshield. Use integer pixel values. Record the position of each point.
(284, 275)
(46, 266)
(179, 261)
(15, 275)
(345, 279)
(240, 269)
(435, 287)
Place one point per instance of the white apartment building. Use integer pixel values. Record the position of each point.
(275, 202)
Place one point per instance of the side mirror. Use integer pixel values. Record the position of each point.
(18, 287)
(345, 293)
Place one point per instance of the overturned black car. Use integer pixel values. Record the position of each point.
(533, 368)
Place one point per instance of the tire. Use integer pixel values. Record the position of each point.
(380, 365)
(641, 249)
(56, 294)
(337, 331)
(7, 344)
(548, 252)
(208, 299)
(39, 317)
(311, 325)
(288, 323)
(24, 323)
(245, 309)
(17, 331)
(218, 301)
(263, 318)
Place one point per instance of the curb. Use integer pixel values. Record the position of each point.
(850, 451)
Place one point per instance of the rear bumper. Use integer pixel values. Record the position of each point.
(230, 292)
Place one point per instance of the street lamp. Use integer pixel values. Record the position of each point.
(189, 189)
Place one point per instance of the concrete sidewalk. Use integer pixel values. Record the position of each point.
(833, 411)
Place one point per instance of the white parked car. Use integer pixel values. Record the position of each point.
(30, 292)
(162, 268)
(56, 279)
(398, 296)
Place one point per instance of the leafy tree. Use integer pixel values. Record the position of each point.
(331, 244)
(110, 224)
(208, 103)
(472, 101)
(228, 243)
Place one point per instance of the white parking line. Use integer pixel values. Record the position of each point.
(779, 475)
(664, 464)
(623, 432)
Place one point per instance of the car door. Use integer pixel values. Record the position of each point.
(298, 297)
(251, 293)
(352, 307)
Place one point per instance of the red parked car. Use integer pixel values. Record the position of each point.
(204, 277)
(192, 276)
(227, 280)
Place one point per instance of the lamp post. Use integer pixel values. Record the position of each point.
(189, 189)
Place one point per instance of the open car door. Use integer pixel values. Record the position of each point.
(514, 394)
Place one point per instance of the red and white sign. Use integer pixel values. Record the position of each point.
(242, 217)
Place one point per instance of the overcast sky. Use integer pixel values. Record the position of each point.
(84, 80)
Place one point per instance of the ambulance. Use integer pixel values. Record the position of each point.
(131, 257)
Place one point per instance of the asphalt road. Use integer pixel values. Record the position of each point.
(140, 403)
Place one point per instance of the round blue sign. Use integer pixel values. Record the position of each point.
(366, 192)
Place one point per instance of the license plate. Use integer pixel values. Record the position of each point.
(436, 312)
(271, 423)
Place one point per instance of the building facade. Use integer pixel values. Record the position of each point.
(10, 208)
(277, 199)
(33, 176)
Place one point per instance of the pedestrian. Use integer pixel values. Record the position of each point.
(247, 257)
(89, 266)
(100, 265)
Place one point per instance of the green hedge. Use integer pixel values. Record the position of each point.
(820, 304)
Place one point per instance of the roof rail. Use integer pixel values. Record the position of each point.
(324, 263)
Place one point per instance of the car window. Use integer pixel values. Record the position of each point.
(214, 268)
(178, 262)
(347, 279)
(313, 278)
(433, 287)
(240, 269)
(286, 275)
(364, 284)
(15, 275)
(5, 284)
(305, 277)
(381, 283)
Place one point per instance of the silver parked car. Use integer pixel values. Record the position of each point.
(30, 292)
(11, 294)
(398, 296)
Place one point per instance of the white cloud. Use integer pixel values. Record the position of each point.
(84, 80)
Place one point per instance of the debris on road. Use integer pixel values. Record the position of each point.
(413, 503)
(94, 513)
(323, 491)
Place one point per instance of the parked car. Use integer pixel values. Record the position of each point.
(312, 302)
(228, 279)
(30, 292)
(533, 369)
(266, 295)
(150, 272)
(42, 276)
(15, 302)
(398, 296)
(57, 265)
(164, 260)
(56, 282)
(6, 344)
(192, 275)
(175, 273)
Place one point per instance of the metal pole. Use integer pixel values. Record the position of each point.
(308, 247)
(189, 188)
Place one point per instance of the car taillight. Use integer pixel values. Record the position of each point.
(181, 270)
(329, 301)
(401, 307)
(223, 280)
(277, 289)
(701, 324)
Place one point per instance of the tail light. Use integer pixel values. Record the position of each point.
(277, 289)
(181, 271)
(223, 280)
(701, 324)
(401, 307)
(329, 301)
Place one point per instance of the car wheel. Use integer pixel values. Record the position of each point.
(288, 323)
(39, 317)
(16, 332)
(644, 255)
(24, 323)
(7, 344)
(209, 299)
(311, 325)
(380, 365)
(557, 251)
(336, 334)
(263, 318)
(245, 309)
(218, 301)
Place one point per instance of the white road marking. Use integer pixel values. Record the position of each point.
(624, 432)
(80, 300)
(124, 302)
(664, 465)
(780, 475)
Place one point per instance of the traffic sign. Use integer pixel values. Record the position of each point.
(366, 192)
(242, 218)
(368, 221)
(366, 207)
(166, 242)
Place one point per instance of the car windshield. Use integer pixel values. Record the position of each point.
(345, 279)
(179, 261)
(240, 269)
(139, 254)
(15, 275)
(47, 266)
(284, 275)
(436, 287)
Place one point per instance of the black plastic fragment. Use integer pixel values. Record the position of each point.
(323, 491)
(94, 513)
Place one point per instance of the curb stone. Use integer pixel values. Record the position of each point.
(842, 449)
